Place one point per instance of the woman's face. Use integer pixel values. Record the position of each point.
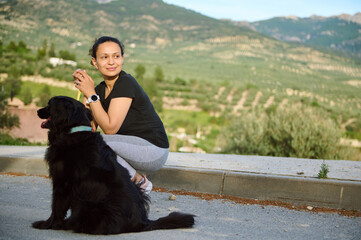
(109, 60)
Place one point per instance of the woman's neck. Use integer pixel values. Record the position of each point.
(109, 82)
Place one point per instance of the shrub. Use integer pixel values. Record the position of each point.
(44, 96)
(28, 96)
(6, 139)
(289, 131)
(7, 121)
(246, 134)
(180, 81)
(323, 171)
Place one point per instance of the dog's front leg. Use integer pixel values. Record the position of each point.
(60, 205)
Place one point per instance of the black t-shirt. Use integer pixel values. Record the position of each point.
(142, 120)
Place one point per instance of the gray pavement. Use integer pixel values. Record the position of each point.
(26, 199)
(290, 180)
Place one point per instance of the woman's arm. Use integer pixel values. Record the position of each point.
(111, 122)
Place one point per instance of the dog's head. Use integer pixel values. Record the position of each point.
(64, 113)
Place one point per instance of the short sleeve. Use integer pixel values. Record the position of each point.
(125, 87)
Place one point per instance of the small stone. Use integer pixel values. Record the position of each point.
(171, 209)
(300, 173)
(172, 197)
(304, 225)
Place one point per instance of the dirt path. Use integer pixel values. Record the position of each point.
(48, 81)
(220, 91)
(257, 98)
(241, 102)
(269, 102)
(230, 95)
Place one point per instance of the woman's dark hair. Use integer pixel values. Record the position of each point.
(97, 42)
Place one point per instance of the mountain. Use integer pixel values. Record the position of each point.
(341, 32)
(185, 43)
(136, 21)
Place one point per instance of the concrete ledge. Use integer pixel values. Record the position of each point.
(193, 180)
(295, 190)
(198, 175)
(32, 166)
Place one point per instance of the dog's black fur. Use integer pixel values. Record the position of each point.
(88, 180)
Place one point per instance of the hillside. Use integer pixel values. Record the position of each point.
(212, 68)
(68, 22)
(185, 44)
(338, 32)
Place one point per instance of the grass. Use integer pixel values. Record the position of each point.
(323, 171)
(6, 139)
(199, 126)
(36, 89)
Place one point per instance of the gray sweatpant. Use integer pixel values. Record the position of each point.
(135, 153)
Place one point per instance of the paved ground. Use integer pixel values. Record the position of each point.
(290, 180)
(27, 198)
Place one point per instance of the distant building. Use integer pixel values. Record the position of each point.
(59, 61)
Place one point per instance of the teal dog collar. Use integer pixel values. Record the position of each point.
(81, 129)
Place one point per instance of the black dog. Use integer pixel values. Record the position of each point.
(88, 180)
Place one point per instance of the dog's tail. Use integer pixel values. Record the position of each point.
(172, 221)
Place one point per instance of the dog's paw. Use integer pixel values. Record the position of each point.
(42, 225)
(48, 225)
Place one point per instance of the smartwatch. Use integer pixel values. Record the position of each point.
(92, 98)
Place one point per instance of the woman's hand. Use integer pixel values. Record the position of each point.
(84, 83)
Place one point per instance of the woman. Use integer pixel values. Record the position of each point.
(124, 112)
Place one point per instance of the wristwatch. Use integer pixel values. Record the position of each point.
(92, 98)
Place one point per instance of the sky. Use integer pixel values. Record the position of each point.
(256, 10)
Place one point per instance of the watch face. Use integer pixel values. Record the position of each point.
(94, 97)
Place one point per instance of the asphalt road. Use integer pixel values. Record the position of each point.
(26, 199)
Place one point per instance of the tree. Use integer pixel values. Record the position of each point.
(22, 48)
(42, 51)
(51, 52)
(139, 72)
(158, 74)
(1, 48)
(12, 46)
(44, 96)
(28, 96)
(12, 83)
(64, 54)
(7, 121)
(151, 88)
(288, 131)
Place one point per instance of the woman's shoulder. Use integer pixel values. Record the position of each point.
(125, 79)
(126, 76)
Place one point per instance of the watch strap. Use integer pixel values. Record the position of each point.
(90, 99)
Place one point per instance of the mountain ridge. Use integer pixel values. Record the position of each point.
(341, 32)
(140, 21)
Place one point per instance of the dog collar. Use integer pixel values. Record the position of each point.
(81, 129)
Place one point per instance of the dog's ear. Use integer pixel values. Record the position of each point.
(79, 114)
(89, 114)
(59, 112)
